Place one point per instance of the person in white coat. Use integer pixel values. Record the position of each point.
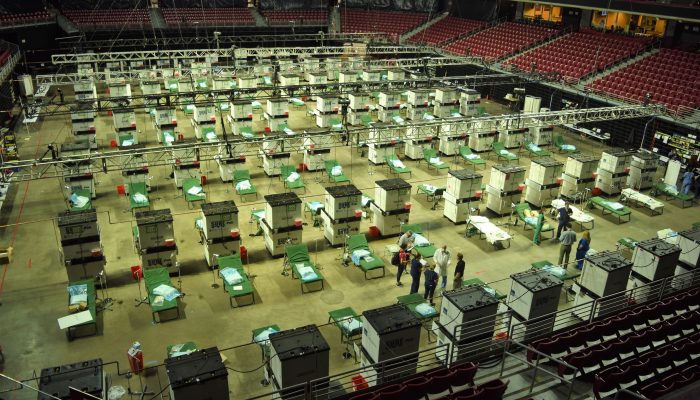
(442, 261)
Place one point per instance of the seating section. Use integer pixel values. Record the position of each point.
(306, 17)
(446, 29)
(25, 18)
(669, 76)
(5, 55)
(580, 53)
(208, 16)
(392, 23)
(501, 40)
(108, 19)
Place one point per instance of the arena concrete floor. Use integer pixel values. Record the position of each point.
(33, 286)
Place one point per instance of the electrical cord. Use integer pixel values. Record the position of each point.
(161, 392)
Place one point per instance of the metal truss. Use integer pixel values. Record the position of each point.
(211, 41)
(92, 58)
(50, 107)
(119, 160)
(9, 66)
(266, 52)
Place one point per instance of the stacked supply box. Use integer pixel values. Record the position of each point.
(81, 248)
(655, 259)
(513, 138)
(371, 75)
(154, 239)
(358, 109)
(453, 134)
(125, 126)
(418, 103)
(391, 207)
(326, 111)
(152, 90)
(481, 139)
(541, 135)
(689, 259)
(247, 81)
(347, 76)
(579, 176)
(332, 66)
(192, 375)
(604, 274)
(389, 105)
(298, 356)
(382, 140)
(532, 104)
(204, 121)
(463, 188)
(467, 323)
(613, 170)
(544, 181)
(389, 333)
(85, 91)
(282, 224)
(505, 188)
(469, 102)
(230, 155)
(88, 376)
(185, 163)
(533, 297)
(317, 78)
(78, 175)
(273, 152)
(82, 118)
(119, 90)
(642, 170)
(317, 147)
(219, 230)
(419, 136)
(446, 101)
(395, 75)
(165, 121)
(276, 113)
(341, 213)
(241, 118)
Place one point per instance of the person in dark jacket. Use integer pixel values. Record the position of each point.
(564, 219)
(459, 272)
(431, 280)
(403, 262)
(416, 266)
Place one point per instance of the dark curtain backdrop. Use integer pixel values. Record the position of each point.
(92, 4)
(398, 5)
(20, 6)
(485, 10)
(292, 4)
(204, 3)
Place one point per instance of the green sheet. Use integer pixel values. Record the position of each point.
(671, 192)
(466, 153)
(329, 164)
(299, 254)
(175, 350)
(424, 251)
(605, 205)
(91, 299)
(337, 316)
(189, 183)
(558, 141)
(139, 187)
(264, 345)
(241, 175)
(240, 289)
(533, 152)
(359, 242)
(498, 148)
(153, 278)
(285, 172)
(412, 301)
(396, 170)
(83, 193)
(432, 153)
(627, 242)
(567, 276)
(477, 281)
(521, 209)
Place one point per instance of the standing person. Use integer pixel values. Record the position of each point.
(459, 272)
(536, 239)
(416, 267)
(431, 280)
(687, 181)
(564, 219)
(583, 246)
(442, 261)
(403, 262)
(568, 238)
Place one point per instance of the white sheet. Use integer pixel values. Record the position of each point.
(74, 319)
(578, 215)
(489, 229)
(650, 202)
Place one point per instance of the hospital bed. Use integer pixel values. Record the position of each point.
(420, 308)
(257, 215)
(193, 191)
(670, 191)
(260, 336)
(479, 282)
(502, 153)
(241, 293)
(432, 193)
(558, 142)
(169, 309)
(630, 195)
(560, 272)
(365, 202)
(81, 194)
(487, 230)
(314, 209)
(431, 157)
(611, 207)
(535, 150)
(291, 178)
(298, 260)
(425, 250)
(474, 159)
(627, 242)
(86, 328)
(139, 202)
(521, 209)
(397, 168)
(579, 216)
(329, 165)
(359, 242)
(350, 325)
(240, 177)
(180, 349)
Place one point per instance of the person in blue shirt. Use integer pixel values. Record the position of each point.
(687, 181)
(583, 246)
(416, 266)
(431, 280)
(564, 219)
